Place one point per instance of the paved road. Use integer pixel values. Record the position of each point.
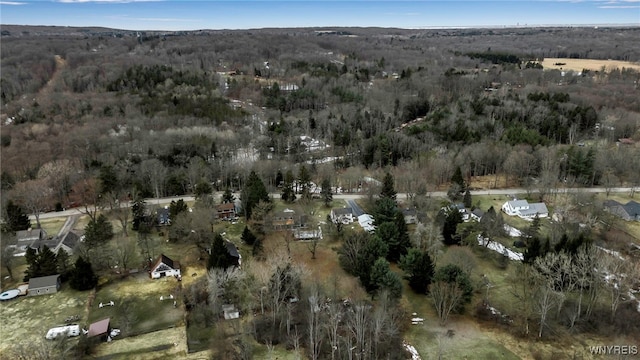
(357, 210)
(401, 196)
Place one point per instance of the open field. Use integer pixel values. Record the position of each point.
(589, 64)
(168, 343)
(26, 319)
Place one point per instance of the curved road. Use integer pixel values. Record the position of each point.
(347, 197)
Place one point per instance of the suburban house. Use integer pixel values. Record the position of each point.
(629, 211)
(342, 215)
(44, 285)
(410, 215)
(162, 216)
(68, 243)
(524, 210)
(466, 215)
(28, 238)
(287, 219)
(165, 267)
(233, 252)
(476, 214)
(101, 329)
(226, 211)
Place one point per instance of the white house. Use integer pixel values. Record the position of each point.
(342, 215)
(524, 210)
(165, 267)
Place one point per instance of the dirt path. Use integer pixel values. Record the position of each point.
(47, 89)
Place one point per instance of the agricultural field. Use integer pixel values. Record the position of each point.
(588, 64)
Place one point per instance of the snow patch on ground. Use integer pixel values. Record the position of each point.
(412, 350)
(497, 247)
(513, 232)
(611, 252)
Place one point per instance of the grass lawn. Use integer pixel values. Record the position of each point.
(27, 318)
(52, 225)
(167, 344)
(138, 308)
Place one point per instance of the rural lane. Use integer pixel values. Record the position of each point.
(401, 196)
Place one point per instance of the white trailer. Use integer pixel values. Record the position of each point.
(67, 330)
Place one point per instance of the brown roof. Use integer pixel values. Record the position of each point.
(99, 328)
(225, 206)
(165, 259)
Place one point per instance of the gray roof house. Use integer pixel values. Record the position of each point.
(27, 238)
(525, 210)
(629, 211)
(342, 215)
(410, 215)
(477, 214)
(44, 285)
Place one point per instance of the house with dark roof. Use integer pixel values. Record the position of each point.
(287, 219)
(629, 211)
(68, 243)
(233, 252)
(476, 214)
(410, 215)
(164, 266)
(226, 211)
(44, 285)
(162, 216)
(27, 238)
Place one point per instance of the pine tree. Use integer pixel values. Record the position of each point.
(533, 251)
(17, 219)
(227, 196)
(327, 194)
(47, 262)
(98, 231)
(62, 263)
(388, 187)
(419, 270)
(253, 192)
(304, 178)
(288, 194)
(177, 207)
(458, 179)
(248, 237)
(450, 227)
(467, 199)
(138, 210)
(219, 257)
(82, 276)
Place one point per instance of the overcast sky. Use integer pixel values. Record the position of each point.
(239, 14)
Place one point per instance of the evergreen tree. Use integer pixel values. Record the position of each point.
(453, 274)
(392, 283)
(219, 257)
(82, 276)
(202, 189)
(253, 192)
(419, 270)
(404, 240)
(562, 244)
(47, 262)
(177, 207)
(248, 237)
(533, 251)
(227, 196)
(458, 179)
(288, 194)
(385, 210)
(62, 263)
(98, 231)
(388, 187)
(31, 257)
(450, 227)
(140, 219)
(256, 250)
(327, 194)
(108, 179)
(17, 219)
(279, 178)
(467, 199)
(304, 178)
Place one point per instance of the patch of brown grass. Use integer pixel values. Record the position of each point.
(590, 64)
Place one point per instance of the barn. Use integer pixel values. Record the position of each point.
(164, 266)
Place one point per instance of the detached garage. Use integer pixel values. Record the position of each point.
(44, 285)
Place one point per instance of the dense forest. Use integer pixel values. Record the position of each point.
(102, 116)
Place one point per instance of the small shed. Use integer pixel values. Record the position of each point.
(44, 285)
(100, 328)
(164, 266)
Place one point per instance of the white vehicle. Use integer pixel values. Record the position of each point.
(67, 330)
